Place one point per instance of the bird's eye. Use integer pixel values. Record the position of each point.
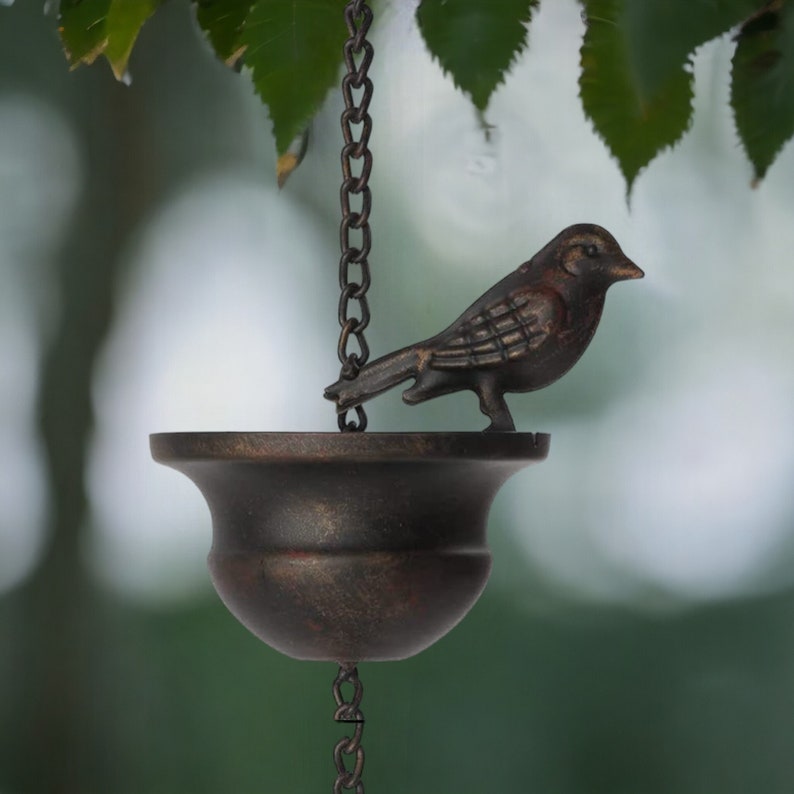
(591, 250)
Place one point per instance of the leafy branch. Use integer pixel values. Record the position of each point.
(635, 82)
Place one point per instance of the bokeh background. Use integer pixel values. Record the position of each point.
(637, 634)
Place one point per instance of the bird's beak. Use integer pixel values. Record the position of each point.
(624, 269)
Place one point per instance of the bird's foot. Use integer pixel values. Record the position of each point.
(501, 424)
(493, 405)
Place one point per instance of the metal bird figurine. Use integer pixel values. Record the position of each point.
(523, 334)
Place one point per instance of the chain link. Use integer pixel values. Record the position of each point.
(349, 711)
(358, 54)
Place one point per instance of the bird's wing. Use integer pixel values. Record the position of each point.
(504, 331)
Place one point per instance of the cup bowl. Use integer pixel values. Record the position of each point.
(349, 546)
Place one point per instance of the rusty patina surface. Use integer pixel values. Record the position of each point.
(349, 546)
(521, 335)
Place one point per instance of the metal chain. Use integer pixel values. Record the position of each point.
(349, 711)
(358, 17)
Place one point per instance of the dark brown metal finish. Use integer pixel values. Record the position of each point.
(349, 711)
(358, 17)
(521, 335)
(350, 546)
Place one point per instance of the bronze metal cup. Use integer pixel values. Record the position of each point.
(349, 546)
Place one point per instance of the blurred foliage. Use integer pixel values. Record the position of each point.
(636, 80)
(575, 702)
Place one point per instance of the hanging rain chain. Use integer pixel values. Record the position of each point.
(348, 711)
(358, 17)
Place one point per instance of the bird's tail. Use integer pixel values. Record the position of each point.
(374, 379)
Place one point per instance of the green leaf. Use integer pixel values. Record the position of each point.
(81, 24)
(294, 49)
(222, 21)
(662, 34)
(90, 28)
(762, 91)
(636, 84)
(124, 22)
(633, 125)
(475, 41)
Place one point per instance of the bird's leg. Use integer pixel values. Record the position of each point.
(493, 405)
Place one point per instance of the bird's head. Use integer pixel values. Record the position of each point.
(589, 252)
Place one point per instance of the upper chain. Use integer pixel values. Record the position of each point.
(358, 17)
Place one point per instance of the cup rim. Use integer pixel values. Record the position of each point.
(275, 447)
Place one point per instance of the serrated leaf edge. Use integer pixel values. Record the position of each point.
(688, 68)
(503, 73)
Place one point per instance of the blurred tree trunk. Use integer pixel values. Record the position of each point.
(70, 657)
(63, 618)
(60, 625)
